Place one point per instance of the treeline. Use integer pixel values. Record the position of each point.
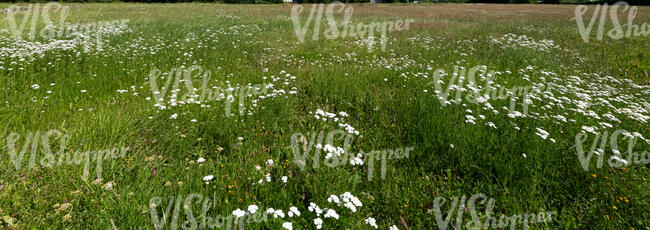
(631, 2)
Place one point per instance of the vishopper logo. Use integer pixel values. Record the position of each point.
(345, 29)
(616, 160)
(477, 93)
(459, 206)
(48, 160)
(339, 157)
(618, 31)
(34, 15)
(237, 220)
(187, 77)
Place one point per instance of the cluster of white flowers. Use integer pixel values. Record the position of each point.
(318, 222)
(252, 209)
(90, 41)
(287, 225)
(470, 119)
(357, 160)
(347, 200)
(542, 133)
(208, 178)
(330, 150)
(325, 116)
(372, 222)
(267, 176)
(235, 95)
(514, 41)
(293, 211)
(276, 213)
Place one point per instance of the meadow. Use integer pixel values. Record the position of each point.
(225, 102)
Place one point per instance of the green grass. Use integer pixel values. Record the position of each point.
(389, 114)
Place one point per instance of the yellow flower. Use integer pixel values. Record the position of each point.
(594, 175)
(615, 208)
